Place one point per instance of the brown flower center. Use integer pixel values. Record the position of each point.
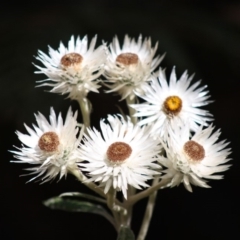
(127, 59)
(118, 152)
(194, 150)
(49, 142)
(71, 59)
(172, 105)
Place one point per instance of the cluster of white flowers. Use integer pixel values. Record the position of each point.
(172, 139)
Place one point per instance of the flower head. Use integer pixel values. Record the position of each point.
(173, 105)
(123, 155)
(52, 147)
(73, 70)
(191, 160)
(129, 69)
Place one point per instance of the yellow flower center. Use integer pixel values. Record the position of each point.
(71, 59)
(49, 142)
(127, 59)
(172, 105)
(118, 152)
(194, 151)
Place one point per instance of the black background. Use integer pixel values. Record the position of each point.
(201, 36)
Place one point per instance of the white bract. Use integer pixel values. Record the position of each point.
(72, 70)
(192, 160)
(51, 147)
(169, 106)
(129, 68)
(123, 155)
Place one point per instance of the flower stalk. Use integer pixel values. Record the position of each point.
(85, 110)
(131, 99)
(82, 178)
(143, 194)
(148, 213)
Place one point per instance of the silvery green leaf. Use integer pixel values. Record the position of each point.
(72, 205)
(83, 195)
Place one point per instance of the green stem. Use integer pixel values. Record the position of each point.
(132, 100)
(128, 217)
(85, 109)
(78, 174)
(135, 198)
(111, 196)
(131, 191)
(148, 213)
(118, 211)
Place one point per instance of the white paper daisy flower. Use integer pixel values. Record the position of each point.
(192, 160)
(129, 68)
(172, 105)
(51, 147)
(123, 155)
(72, 70)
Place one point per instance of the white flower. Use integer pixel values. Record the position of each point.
(52, 147)
(129, 69)
(123, 155)
(191, 160)
(173, 105)
(73, 70)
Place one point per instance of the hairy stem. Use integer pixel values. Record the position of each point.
(78, 174)
(135, 198)
(111, 196)
(148, 213)
(85, 109)
(131, 100)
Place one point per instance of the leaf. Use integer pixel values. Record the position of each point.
(125, 233)
(83, 195)
(71, 205)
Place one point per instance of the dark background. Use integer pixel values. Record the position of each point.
(201, 36)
